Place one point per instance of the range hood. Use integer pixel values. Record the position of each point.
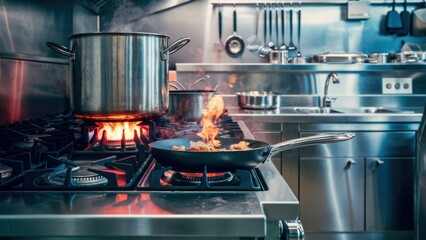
(150, 7)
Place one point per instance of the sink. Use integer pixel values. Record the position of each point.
(315, 110)
(368, 110)
(355, 110)
(371, 110)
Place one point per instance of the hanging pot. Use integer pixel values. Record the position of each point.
(119, 76)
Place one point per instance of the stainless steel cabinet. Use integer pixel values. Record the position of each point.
(332, 194)
(365, 184)
(389, 194)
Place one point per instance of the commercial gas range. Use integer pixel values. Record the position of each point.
(63, 177)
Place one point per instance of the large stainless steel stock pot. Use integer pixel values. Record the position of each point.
(119, 76)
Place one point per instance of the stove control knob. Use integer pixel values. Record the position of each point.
(293, 230)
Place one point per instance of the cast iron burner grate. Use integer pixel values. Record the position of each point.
(80, 177)
(172, 178)
(83, 172)
(241, 180)
(47, 153)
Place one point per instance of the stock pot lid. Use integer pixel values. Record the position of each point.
(79, 35)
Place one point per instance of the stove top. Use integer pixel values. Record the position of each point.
(60, 152)
(60, 176)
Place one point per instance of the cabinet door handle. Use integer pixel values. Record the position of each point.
(379, 162)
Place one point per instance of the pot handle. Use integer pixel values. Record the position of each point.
(176, 46)
(177, 85)
(61, 49)
(308, 141)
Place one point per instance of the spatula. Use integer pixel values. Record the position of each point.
(406, 20)
(254, 42)
(219, 45)
(393, 20)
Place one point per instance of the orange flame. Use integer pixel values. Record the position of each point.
(114, 130)
(214, 109)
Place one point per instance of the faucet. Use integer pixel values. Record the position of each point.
(326, 100)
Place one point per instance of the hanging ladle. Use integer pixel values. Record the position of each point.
(234, 44)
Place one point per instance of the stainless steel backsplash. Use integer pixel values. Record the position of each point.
(324, 28)
(34, 79)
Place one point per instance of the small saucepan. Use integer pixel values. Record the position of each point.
(404, 57)
(258, 100)
(378, 58)
(186, 104)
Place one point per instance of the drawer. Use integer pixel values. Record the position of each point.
(384, 144)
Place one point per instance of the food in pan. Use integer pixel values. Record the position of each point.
(178, 148)
(201, 146)
(242, 145)
(213, 111)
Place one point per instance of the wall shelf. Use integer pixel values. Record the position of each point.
(307, 67)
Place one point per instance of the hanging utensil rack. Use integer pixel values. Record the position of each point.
(251, 2)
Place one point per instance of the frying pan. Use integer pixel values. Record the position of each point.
(260, 152)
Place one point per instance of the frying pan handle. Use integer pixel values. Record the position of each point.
(177, 85)
(311, 140)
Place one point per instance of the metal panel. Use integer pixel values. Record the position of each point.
(385, 144)
(324, 29)
(389, 194)
(421, 211)
(33, 78)
(270, 133)
(309, 1)
(26, 25)
(290, 158)
(361, 236)
(84, 21)
(271, 138)
(31, 89)
(332, 194)
(372, 126)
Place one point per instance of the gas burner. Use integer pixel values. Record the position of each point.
(117, 145)
(5, 171)
(173, 178)
(80, 177)
(28, 143)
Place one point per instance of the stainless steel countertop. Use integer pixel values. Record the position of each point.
(149, 213)
(289, 115)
